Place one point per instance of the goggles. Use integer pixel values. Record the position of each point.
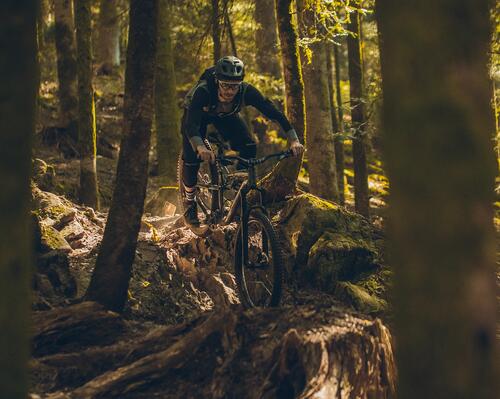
(229, 85)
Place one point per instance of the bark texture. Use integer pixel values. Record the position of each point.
(337, 122)
(282, 181)
(320, 139)
(66, 65)
(42, 21)
(361, 195)
(168, 138)
(344, 357)
(108, 47)
(17, 112)
(89, 194)
(436, 110)
(266, 39)
(111, 276)
(216, 32)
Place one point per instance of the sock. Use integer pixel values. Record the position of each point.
(190, 193)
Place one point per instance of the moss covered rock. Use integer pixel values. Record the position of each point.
(332, 250)
(360, 299)
(337, 257)
(53, 240)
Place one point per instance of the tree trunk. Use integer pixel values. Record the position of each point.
(339, 141)
(43, 13)
(437, 125)
(497, 116)
(17, 113)
(110, 280)
(283, 179)
(108, 48)
(320, 140)
(266, 39)
(168, 138)
(361, 199)
(216, 34)
(66, 65)
(89, 194)
(338, 123)
(230, 32)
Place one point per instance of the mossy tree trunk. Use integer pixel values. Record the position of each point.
(266, 39)
(439, 156)
(18, 90)
(108, 47)
(361, 198)
(216, 33)
(320, 139)
(89, 194)
(66, 65)
(339, 136)
(168, 138)
(41, 26)
(283, 179)
(110, 280)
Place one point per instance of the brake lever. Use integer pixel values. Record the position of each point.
(286, 154)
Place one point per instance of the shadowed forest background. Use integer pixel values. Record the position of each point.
(388, 223)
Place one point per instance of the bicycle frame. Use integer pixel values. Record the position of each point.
(240, 202)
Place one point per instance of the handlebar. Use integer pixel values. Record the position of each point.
(229, 160)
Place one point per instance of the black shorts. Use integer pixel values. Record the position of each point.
(232, 128)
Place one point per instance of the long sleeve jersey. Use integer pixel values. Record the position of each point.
(201, 106)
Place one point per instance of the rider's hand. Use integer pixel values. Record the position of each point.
(296, 148)
(205, 154)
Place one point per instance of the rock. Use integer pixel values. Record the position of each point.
(44, 175)
(328, 245)
(50, 205)
(359, 298)
(64, 219)
(55, 266)
(157, 222)
(73, 231)
(53, 240)
(337, 257)
(163, 202)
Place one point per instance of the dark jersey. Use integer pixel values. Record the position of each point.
(203, 102)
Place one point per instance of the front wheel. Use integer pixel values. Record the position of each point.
(260, 278)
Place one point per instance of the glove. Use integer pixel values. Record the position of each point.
(205, 154)
(296, 148)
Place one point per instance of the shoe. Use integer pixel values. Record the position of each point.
(191, 214)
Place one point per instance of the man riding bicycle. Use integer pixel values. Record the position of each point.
(217, 99)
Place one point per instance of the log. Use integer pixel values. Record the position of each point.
(155, 367)
(256, 354)
(70, 370)
(73, 328)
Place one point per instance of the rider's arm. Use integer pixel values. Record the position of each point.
(193, 117)
(255, 98)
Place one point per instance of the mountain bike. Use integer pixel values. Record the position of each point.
(222, 198)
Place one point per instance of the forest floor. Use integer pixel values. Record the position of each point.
(183, 332)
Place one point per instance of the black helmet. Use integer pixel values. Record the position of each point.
(230, 68)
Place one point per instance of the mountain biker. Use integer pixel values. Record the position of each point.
(217, 99)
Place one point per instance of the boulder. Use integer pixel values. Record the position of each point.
(330, 246)
(53, 240)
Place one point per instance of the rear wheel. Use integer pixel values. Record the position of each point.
(260, 279)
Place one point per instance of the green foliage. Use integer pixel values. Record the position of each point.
(330, 19)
